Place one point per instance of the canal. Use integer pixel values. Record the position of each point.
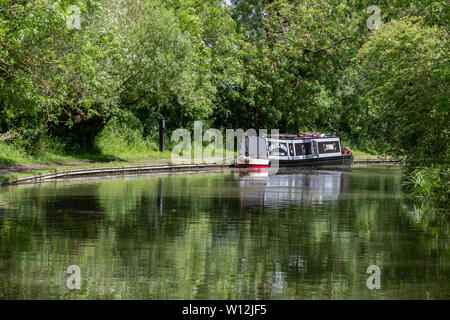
(229, 235)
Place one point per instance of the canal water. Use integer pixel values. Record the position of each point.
(295, 235)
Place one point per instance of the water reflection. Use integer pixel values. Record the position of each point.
(302, 235)
(312, 188)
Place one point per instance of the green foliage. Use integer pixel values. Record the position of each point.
(401, 96)
(431, 186)
(294, 51)
(51, 74)
(159, 67)
(123, 138)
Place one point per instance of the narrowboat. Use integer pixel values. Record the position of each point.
(288, 150)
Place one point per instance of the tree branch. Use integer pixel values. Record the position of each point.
(327, 48)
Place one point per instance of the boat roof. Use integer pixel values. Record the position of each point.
(300, 136)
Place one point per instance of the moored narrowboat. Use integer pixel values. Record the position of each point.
(304, 149)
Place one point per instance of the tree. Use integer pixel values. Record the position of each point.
(295, 52)
(403, 76)
(54, 77)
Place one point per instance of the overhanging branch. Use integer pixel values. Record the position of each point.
(327, 48)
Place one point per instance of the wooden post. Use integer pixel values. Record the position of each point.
(162, 135)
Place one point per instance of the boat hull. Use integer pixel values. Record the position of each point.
(345, 159)
(252, 164)
(341, 160)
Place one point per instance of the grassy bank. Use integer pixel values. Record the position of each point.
(10, 156)
(359, 154)
(106, 149)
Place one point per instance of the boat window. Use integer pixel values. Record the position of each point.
(291, 150)
(302, 149)
(329, 147)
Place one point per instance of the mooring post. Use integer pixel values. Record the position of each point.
(162, 135)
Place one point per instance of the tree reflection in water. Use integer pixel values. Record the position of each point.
(301, 235)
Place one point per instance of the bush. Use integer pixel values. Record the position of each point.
(123, 136)
(431, 185)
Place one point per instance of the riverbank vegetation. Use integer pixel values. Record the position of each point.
(96, 91)
(430, 186)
